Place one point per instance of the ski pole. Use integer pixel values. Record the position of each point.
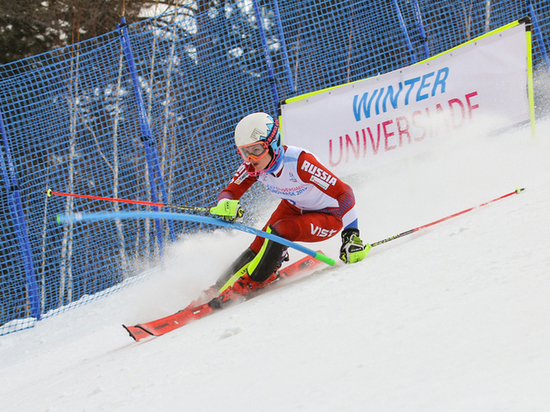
(49, 193)
(416, 229)
(79, 217)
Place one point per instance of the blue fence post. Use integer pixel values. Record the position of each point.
(421, 29)
(147, 137)
(538, 35)
(283, 45)
(267, 56)
(405, 32)
(16, 209)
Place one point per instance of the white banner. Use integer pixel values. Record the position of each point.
(360, 125)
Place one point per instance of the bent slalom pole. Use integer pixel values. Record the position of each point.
(416, 229)
(49, 193)
(79, 217)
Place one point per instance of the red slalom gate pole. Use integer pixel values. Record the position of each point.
(50, 192)
(416, 229)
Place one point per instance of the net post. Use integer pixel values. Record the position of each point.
(19, 222)
(267, 55)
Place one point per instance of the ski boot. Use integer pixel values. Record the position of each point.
(206, 296)
(242, 287)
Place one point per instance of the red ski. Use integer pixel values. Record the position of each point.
(183, 317)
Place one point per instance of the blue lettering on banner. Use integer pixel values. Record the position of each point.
(424, 86)
(411, 83)
(390, 95)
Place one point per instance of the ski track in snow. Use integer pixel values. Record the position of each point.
(452, 318)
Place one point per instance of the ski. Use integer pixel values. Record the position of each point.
(167, 324)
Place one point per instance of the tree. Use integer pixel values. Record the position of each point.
(29, 27)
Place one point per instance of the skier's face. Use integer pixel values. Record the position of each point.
(262, 163)
(257, 154)
(254, 151)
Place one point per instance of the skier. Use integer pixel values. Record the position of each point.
(315, 206)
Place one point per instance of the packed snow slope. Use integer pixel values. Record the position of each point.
(452, 318)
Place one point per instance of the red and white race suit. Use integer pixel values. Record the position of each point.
(315, 203)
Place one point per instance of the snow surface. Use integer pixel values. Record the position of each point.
(452, 318)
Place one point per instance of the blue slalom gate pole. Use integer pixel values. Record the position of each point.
(80, 217)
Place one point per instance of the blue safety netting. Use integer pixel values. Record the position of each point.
(147, 112)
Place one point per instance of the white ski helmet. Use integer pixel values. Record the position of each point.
(259, 127)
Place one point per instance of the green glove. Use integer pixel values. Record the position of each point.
(228, 210)
(353, 250)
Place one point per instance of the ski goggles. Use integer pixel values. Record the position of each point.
(254, 151)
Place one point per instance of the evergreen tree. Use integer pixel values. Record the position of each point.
(29, 27)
